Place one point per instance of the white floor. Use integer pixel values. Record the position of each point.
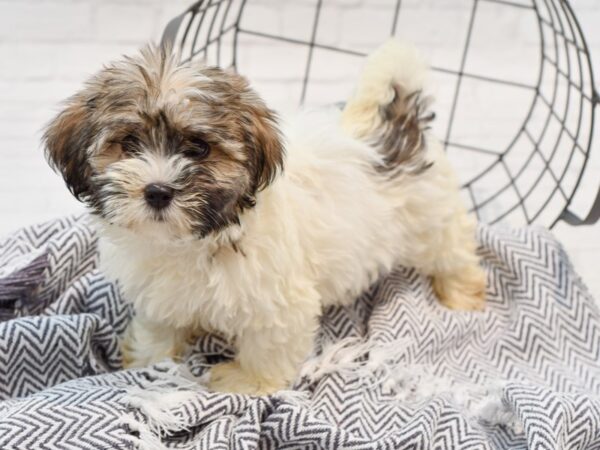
(48, 47)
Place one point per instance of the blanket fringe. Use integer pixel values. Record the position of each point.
(152, 405)
(141, 436)
(375, 364)
(492, 410)
(354, 357)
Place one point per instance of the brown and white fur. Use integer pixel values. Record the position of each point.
(259, 229)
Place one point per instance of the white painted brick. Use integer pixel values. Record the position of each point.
(125, 22)
(297, 20)
(361, 29)
(329, 31)
(271, 2)
(36, 91)
(582, 6)
(332, 66)
(347, 3)
(27, 60)
(73, 61)
(291, 59)
(590, 19)
(264, 18)
(428, 29)
(45, 21)
(168, 10)
(280, 95)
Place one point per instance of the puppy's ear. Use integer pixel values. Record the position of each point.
(259, 127)
(266, 145)
(67, 138)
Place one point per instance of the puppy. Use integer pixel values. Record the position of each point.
(212, 220)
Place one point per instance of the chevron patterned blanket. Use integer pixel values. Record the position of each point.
(393, 371)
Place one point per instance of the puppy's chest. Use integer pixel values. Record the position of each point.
(181, 289)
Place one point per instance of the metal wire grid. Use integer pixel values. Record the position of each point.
(211, 30)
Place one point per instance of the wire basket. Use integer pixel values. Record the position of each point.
(515, 98)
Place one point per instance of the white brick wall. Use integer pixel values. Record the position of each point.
(47, 47)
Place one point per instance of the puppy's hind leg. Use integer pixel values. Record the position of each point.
(462, 289)
(388, 111)
(440, 238)
(457, 277)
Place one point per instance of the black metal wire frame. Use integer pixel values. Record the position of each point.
(558, 27)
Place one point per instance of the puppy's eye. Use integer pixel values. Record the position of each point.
(197, 149)
(130, 144)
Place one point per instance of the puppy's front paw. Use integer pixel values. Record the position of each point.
(132, 358)
(463, 290)
(230, 377)
(145, 344)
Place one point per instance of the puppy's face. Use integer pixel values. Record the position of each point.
(152, 145)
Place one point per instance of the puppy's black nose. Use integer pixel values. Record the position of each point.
(158, 195)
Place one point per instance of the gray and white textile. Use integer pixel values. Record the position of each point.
(394, 371)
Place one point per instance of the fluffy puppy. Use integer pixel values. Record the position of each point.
(182, 166)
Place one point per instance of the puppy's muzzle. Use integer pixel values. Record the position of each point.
(158, 196)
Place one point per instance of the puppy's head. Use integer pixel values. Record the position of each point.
(150, 144)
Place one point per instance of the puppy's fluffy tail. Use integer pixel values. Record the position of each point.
(388, 108)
